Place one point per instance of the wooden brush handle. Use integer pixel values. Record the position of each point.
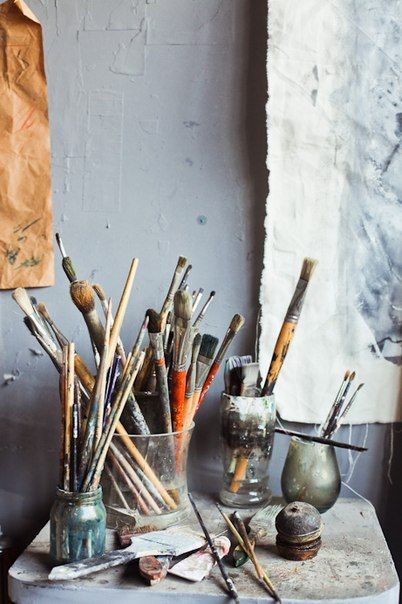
(178, 393)
(281, 349)
(163, 387)
(207, 384)
(239, 474)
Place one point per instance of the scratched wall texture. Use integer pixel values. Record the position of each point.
(157, 116)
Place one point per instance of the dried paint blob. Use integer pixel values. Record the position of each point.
(202, 219)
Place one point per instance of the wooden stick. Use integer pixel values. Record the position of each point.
(121, 310)
(321, 439)
(149, 473)
(115, 485)
(103, 371)
(134, 478)
(137, 497)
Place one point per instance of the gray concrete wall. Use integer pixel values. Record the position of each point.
(158, 149)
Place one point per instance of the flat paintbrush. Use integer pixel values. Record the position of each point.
(203, 311)
(289, 326)
(209, 344)
(66, 261)
(83, 297)
(22, 299)
(156, 339)
(235, 325)
(190, 380)
(182, 343)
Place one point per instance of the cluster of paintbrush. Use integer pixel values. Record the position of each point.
(179, 363)
(242, 375)
(341, 406)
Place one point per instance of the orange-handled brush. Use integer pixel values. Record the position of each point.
(183, 304)
(235, 325)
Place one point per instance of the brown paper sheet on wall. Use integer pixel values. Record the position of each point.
(26, 249)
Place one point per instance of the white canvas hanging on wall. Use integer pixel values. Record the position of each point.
(335, 192)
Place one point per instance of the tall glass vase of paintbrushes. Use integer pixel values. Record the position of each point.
(248, 412)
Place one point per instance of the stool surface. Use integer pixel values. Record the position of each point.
(353, 565)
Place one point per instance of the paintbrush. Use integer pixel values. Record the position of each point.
(66, 261)
(68, 352)
(100, 292)
(141, 383)
(156, 339)
(250, 380)
(229, 583)
(338, 407)
(191, 380)
(183, 282)
(174, 285)
(346, 410)
(203, 311)
(62, 340)
(235, 325)
(289, 325)
(233, 373)
(41, 319)
(205, 358)
(197, 299)
(182, 343)
(75, 436)
(262, 575)
(338, 396)
(320, 439)
(54, 354)
(22, 299)
(83, 297)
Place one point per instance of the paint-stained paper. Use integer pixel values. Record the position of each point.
(26, 252)
(334, 155)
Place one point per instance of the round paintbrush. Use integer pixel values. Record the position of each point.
(66, 261)
(83, 297)
(183, 304)
(62, 340)
(22, 299)
(183, 283)
(203, 310)
(100, 292)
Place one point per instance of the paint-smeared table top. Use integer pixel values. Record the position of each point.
(353, 566)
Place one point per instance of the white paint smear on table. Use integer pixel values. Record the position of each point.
(335, 160)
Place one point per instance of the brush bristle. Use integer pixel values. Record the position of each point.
(181, 263)
(308, 268)
(208, 345)
(237, 323)
(99, 291)
(69, 269)
(196, 347)
(154, 321)
(43, 311)
(21, 297)
(347, 374)
(352, 376)
(30, 325)
(83, 296)
(212, 294)
(183, 305)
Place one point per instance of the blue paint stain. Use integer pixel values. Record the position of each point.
(202, 219)
(189, 161)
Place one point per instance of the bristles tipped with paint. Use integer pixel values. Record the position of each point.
(236, 323)
(61, 246)
(154, 321)
(209, 345)
(183, 305)
(181, 263)
(99, 291)
(82, 295)
(308, 268)
(22, 299)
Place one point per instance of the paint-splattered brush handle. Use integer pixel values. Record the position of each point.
(178, 393)
(281, 349)
(207, 384)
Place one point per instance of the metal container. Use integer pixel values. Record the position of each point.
(311, 474)
(299, 527)
(77, 526)
(247, 433)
